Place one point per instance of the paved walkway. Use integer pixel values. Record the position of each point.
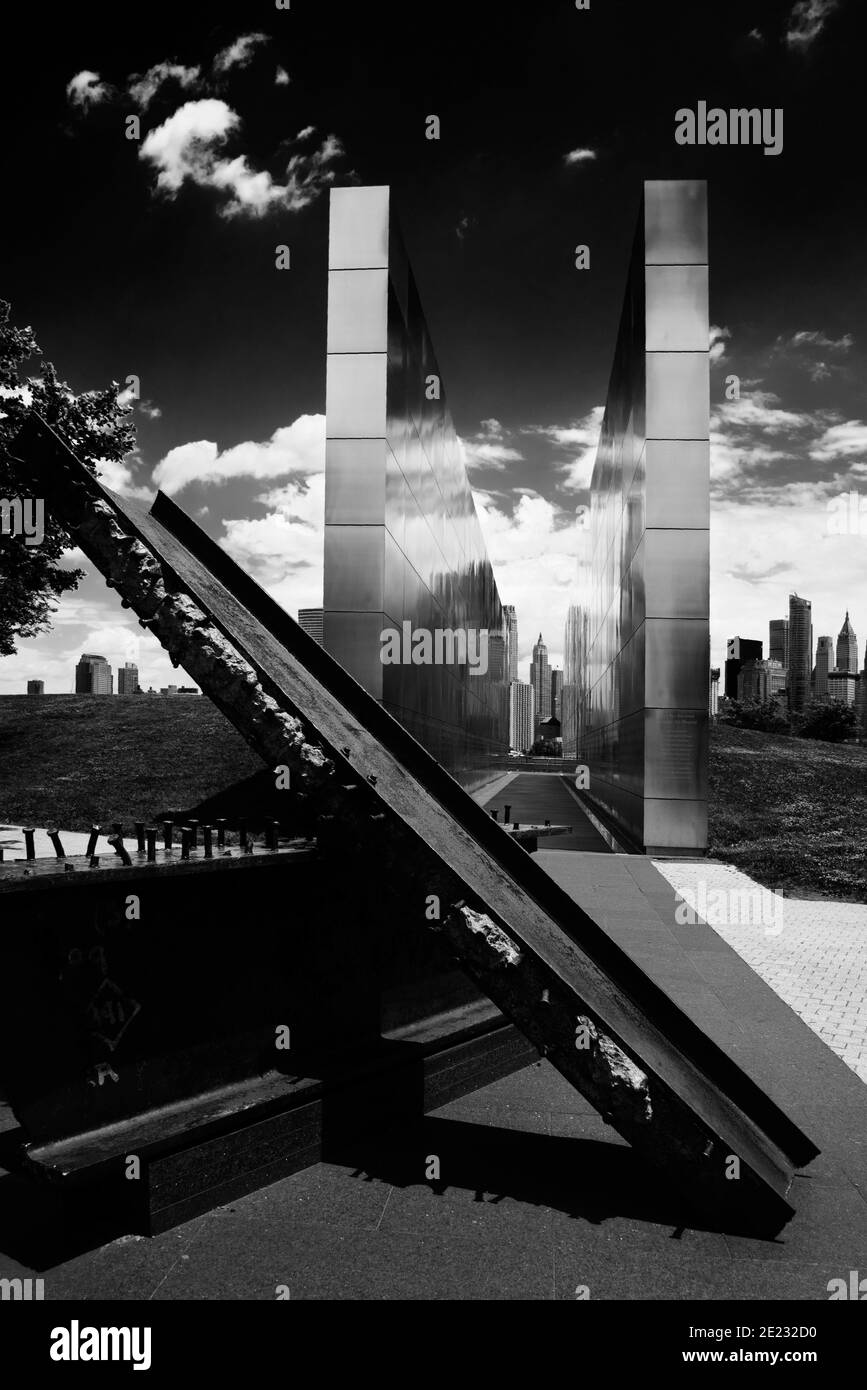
(534, 797)
(815, 958)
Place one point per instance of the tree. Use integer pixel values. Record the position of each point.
(95, 426)
(765, 716)
(832, 721)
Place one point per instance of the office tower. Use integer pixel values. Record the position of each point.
(127, 679)
(540, 679)
(738, 651)
(497, 658)
(93, 676)
(843, 685)
(778, 645)
(556, 692)
(36, 687)
(522, 704)
(312, 621)
(510, 619)
(714, 692)
(800, 651)
(824, 664)
(847, 648)
(761, 680)
(403, 543)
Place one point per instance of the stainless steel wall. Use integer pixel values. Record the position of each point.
(642, 639)
(402, 539)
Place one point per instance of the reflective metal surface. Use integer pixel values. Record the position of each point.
(402, 539)
(637, 640)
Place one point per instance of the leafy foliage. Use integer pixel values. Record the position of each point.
(832, 721)
(95, 426)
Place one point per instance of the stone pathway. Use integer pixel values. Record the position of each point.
(816, 963)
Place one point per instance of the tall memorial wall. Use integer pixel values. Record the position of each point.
(638, 649)
(403, 545)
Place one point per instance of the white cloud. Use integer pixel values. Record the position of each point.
(87, 89)
(718, 338)
(807, 21)
(118, 478)
(582, 435)
(143, 87)
(239, 53)
(295, 448)
(281, 78)
(579, 156)
(284, 550)
(488, 448)
(814, 338)
(189, 145)
(841, 441)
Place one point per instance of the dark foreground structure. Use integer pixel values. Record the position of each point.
(388, 836)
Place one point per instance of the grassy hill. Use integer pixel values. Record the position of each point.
(790, 812)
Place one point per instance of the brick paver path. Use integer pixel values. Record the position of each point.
(817, 963)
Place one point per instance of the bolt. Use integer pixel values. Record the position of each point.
(194, 834)
(186, 837)
(167, 834)
(372, 780)
(29, 843)
(221, 834)
(91, 844)
(140, 835)
(209, 841)
(54, 837)
(152, 844)
(119, 848)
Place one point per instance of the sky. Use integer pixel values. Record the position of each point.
(154, 257)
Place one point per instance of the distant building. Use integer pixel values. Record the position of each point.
(800, 651)
(540, 679)
(824, 664)
(739, 650)
(778, 645)
(522, 709)
(496, 658)
(510, 619)
(761, 680)
(127, 679)
(847, 648)
(93, 676)
(312, 621)
(556, 692)
(843, 685)
(714, 692)
(172, 690)
(549, 737)
(36, 687)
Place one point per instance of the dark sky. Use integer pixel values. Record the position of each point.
(117, 277)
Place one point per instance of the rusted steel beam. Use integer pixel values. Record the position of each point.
(614, 1034)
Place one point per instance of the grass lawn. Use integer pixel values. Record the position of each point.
(790, 812)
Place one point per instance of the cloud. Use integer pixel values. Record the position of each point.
(807, 21)
(814, 338)
(143, 87)
(582, 435)
(465, 224)
(718, 338)
(239, 53)
(841, 441)
(118, 478)
(281, 78)
(284, 551)
(296, 448)
(128, 397)
(188, 147)
(488, 448)
(579, 156)
(87, 89)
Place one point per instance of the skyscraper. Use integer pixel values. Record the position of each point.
(127, 679)
(312, 621)
(497, 658)
(847, 647)
(540, 679)
(510, 620)
(521, 711)
(93, 676)
(738, 651)
(778, 645)
(824, 664)
(800, 651)
(556, 692)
